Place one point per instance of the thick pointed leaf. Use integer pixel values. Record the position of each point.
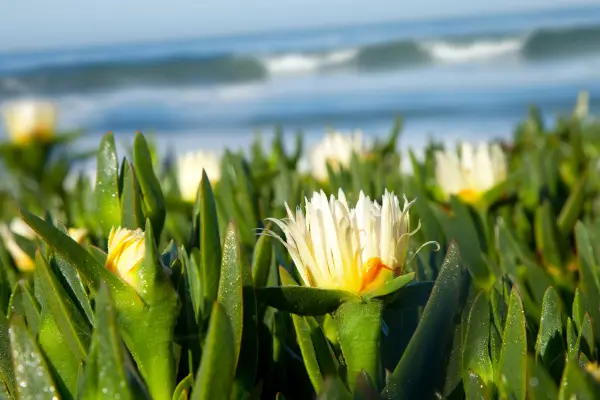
(215, 374)
(182, 390)
(359, 326)
(107, 185)
(476, 356)
(31, 371)
(76, 285)
(73, 326)
(23, 302)
(512, 367)
(210, 242)
(580, 308)
(152, 196)
(6, 372)
(549, 345)
(301, 300)
(475, 388)
(414, 376)
(577, 383)
(588, 267)
(245, 374)
(307, 349)
(585, 340)
(132, 216)
(570, 211)
(106, 369)
(261, 260)
(230, 294)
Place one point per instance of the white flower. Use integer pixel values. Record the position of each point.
(27, 120)
(337, 247)
(475, 172)
(336, 149)
(189, 168)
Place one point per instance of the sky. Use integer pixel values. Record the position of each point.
(39, 24)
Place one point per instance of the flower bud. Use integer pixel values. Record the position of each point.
(126, 250)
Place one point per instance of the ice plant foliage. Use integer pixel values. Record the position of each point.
(336, 149)
(28, 120)
(335, 246)
(126, 249)
(473, 173)
(189, 168)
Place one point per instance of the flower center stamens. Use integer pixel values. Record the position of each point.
(374, 267)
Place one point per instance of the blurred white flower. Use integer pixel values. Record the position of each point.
(475, 172)
(18, 226)
(77, 234)
(28, 120)
(335, 246)
(22, 260)
(189, 171)
(336, 149)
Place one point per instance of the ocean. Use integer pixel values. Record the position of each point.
(469, 78)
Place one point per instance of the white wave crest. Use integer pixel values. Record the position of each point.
(294, 63)
(479, 50)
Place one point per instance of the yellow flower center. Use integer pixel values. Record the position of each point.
(374, 267)
(469, 196)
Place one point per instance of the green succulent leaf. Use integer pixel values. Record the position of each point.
(217, 367)
(106, 371)
(412, 376)
(6, 372)
(307, 349)
(73, 326)
(32, 375)
(210, 243)
(588, 267)
(512, 367)
(107, 185)
(261, 260)
(152, 196)
(132, 216)
(231, 294)
(549, 346)
(477, 365)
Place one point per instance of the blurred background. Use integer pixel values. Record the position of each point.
(209, 74)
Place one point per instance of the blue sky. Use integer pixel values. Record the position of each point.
(56, 23)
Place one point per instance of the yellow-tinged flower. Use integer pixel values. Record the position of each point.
(29, 120)
(18, 226)
(356, 249)
(475, 172)
(22, 260)
(189, 168)
(336, 149)
(593, 369)
(126, 250)
(77, 234)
